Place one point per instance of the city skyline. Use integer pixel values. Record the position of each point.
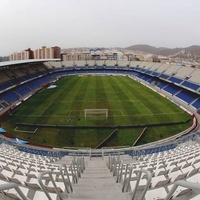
(94, 23)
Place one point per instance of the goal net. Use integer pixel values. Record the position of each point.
(96, 113)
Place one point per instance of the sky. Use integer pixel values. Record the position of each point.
(97, 23)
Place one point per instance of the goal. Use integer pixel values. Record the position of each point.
(96, 113)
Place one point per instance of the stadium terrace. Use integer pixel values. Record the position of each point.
(163, 169)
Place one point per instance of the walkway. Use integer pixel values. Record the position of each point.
(97, 183)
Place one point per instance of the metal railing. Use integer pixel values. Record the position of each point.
(105, 151)
(118, 150)
(149, 177)
(77, 151)
(8, 186)
(64, 172)
(114, 164)
(40, 176)
(186, 184)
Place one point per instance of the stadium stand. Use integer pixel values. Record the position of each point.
(163, 68)
(123, 63)
(111, 63)
(164, 76)
(167, 169)
(100, 63)
(44, 174)
(191, 85)
(194, 76)
(196, 104)
(161, 84)
(141, 71)
(172, 70)
(183, 72)
(155, 66)
(175, 80)
(172, 89)
(91, 64)
(187, 96)
(68, 63)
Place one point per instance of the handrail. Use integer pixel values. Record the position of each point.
(8, 186)
(113, 164)
(129, 170)
(74, 173)
(105, 150)
(78, 150)
(190, 185)
(77, 166)
(149, 177)
(63, 177)
(40, 175)
(120, 171)
(112, 149)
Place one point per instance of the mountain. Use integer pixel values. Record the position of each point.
(192, 50)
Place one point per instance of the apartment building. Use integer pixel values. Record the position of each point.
(47, 52)
(23, 55)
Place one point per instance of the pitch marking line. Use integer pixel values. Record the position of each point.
(91, 100)
(146, 107)
(158, 114)
(122, 112)
(46, 108)
(24, 131)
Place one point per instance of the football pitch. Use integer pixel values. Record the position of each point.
(129, 104)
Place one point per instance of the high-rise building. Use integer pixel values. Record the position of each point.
(47, 52)
(23, 55)
(42, 53)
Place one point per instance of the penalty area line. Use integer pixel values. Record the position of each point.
(122, 112)
(46, 108)
(146, 107)
(24, 131)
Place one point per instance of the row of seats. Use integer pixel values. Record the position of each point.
(166, 168)
(37, 175)
(181, 93)
(19, 92)
(171, 76)
(18, 78)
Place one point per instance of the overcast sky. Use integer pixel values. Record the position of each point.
(98, 23)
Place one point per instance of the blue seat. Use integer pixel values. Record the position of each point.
(187, 96)
(172, 89)
(175, 80)
(191, 85)
(196, 104)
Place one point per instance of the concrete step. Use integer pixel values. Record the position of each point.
(97, 183)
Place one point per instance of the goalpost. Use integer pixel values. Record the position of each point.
(96, 112)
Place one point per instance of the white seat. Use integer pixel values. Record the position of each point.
(141, 185)
(156, 194)
(177, 175)
(195, 178)
(190, 170)
(197, 165)
(179, 191)
(173, 168)
(40, 195)
(7, 173)
(161, 171)
(159, 181)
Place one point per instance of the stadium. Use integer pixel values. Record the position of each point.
(99, 129)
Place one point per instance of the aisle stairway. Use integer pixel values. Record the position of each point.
(97, 183)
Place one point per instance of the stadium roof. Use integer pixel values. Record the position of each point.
(18, 62)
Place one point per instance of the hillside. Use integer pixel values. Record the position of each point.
(193, 50)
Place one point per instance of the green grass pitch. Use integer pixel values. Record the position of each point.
(128, 103)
